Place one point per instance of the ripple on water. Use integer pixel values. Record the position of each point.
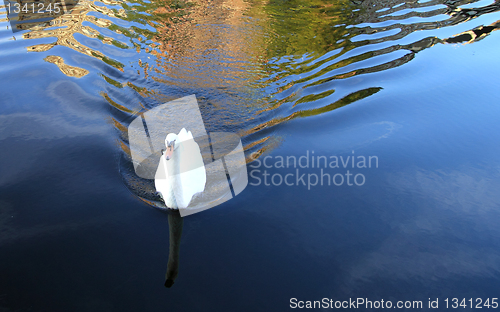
(253, 66)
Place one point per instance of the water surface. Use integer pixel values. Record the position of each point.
(412, 83)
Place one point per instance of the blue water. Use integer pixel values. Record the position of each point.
(75, 236)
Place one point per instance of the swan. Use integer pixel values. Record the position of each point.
(181, 172)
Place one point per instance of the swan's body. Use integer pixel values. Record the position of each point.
(181, 172)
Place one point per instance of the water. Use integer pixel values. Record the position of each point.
(410, 83)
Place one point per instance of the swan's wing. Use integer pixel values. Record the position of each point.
(184, 135)
(164, 182)
(193, 176)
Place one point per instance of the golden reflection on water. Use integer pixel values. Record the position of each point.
(70, 24)
(199, 43)
(70, 71)
(213, 49)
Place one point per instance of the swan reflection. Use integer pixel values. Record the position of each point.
(175, 223)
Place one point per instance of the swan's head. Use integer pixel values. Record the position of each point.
(171, 143)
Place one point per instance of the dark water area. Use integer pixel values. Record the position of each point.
(413, 85)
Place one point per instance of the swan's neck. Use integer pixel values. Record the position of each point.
(174, 164)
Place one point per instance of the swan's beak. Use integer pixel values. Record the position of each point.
(170, 150)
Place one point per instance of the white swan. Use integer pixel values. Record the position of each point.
(181, 172)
